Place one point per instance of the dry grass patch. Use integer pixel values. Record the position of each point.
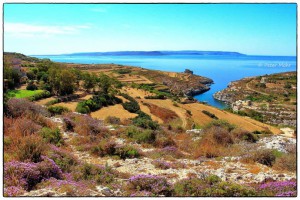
(165, 114)
(212, 164)
(44, 101)
(115, 111)
(71, 105)
(146, 110)
(243, 122)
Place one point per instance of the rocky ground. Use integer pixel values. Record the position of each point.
(227, 168)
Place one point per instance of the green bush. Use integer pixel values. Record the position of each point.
(228, 189)
(52, 135)
(31, 86)
(141, 136)
(211, 115)
(189, 187)
(131, 106)
(57, 110)
(127, 152)
(49, 103)
(221, 123)
(123, 71)
(99, 174)
(97, 102)
(39, 96)
(82, 108)
(143, 120)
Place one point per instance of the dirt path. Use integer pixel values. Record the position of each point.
(248, 88)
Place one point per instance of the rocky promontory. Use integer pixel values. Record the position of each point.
(270, 99)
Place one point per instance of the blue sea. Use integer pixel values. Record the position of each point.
(222, 68)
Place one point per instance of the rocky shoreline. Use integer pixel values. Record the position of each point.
(270, 96)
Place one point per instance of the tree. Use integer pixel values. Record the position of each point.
(89, 80)
(12, 75)
(104, 82)
(62, 81)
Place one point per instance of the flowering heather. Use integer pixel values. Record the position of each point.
(19, 107)
(71, 187)
(151, 183)
(172, 151)
(27, 175)
(13, 191)
(142, 194)
(63, 158)
(279, 188)
(162, 164)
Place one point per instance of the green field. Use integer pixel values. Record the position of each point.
(23, 93)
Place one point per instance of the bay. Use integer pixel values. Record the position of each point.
(221, 68)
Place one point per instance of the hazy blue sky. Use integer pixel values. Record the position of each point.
(256, 29)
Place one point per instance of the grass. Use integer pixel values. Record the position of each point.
(23, 93)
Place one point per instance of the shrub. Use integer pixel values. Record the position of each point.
(211, 115)
(52, 136)
(171, 151)
(104, 148)
(27, 175)
(63, 159)
(90, 126)
(265, 157)
(279, 188)
(21, 127)
(131, 106)
(112, 120)
(19, 107)
(287, 162)
(159, 96)
(214, 142)
(31, 148)
(31, 86)
(82, 108)
(144, 121)
(98, 173)
(244, 135)
(40, 95)
(13, 191)
(97, 102)
(190, 187)
(141, 136)
(151, 183)
(49, 103)
(57, 110)
(69, 124)
(227, 189)
(221, 123)
(164, 141)
(123, 71)
(161, 164)
(127, 152)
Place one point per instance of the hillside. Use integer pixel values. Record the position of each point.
(114, 130)
(270, 98)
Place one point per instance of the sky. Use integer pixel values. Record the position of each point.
(254, 29)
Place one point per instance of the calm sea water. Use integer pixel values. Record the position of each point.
(222, 69)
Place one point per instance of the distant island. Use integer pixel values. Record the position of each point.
(155, 53)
